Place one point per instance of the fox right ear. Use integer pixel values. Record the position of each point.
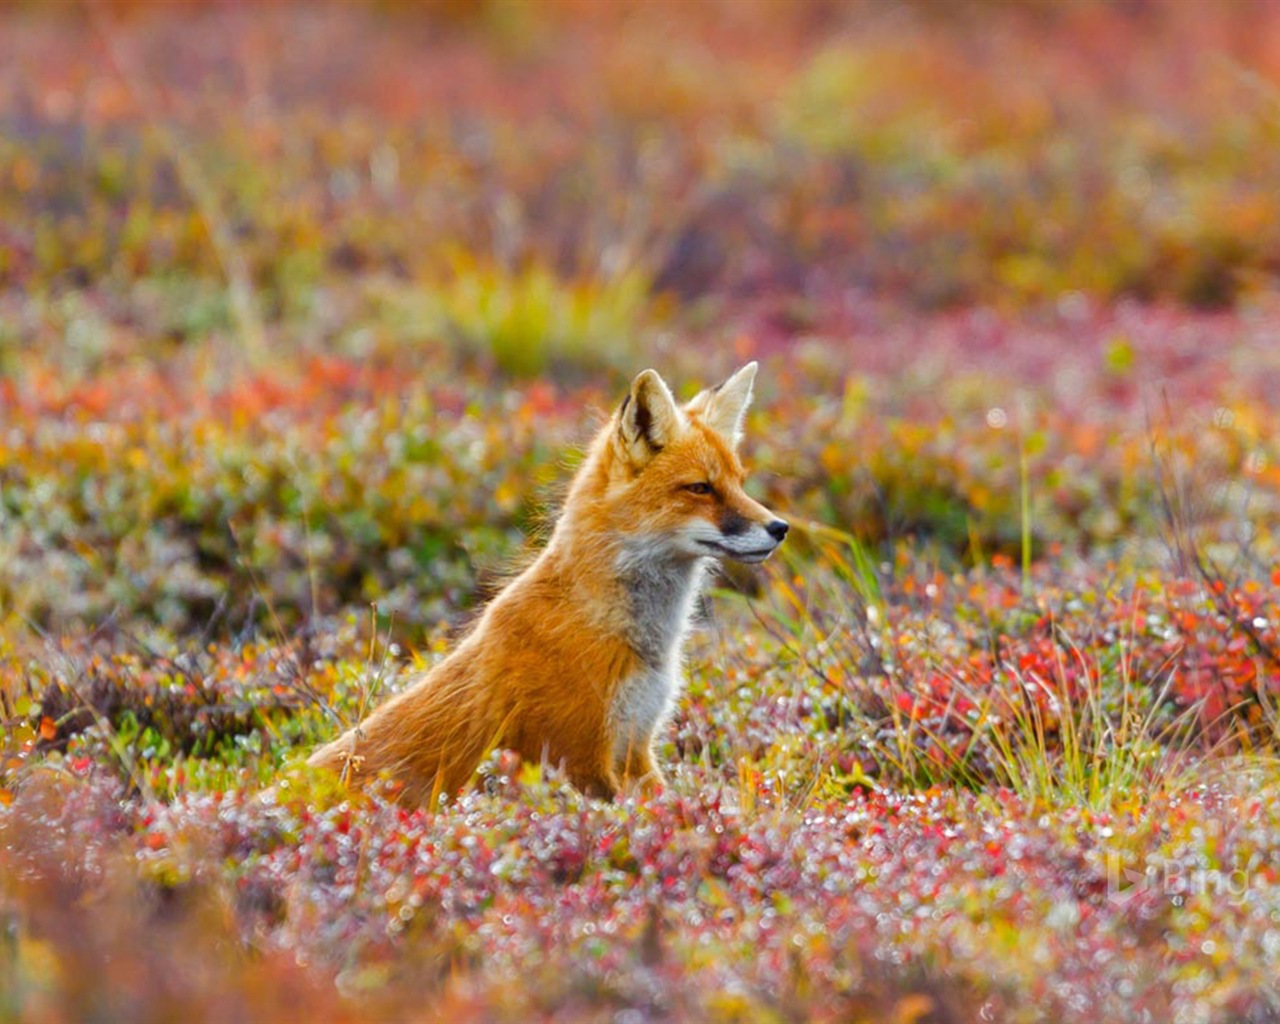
(723, 408)
(648, 419)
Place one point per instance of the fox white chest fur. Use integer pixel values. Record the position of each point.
(662, 589)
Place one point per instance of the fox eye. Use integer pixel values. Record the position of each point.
(702, 487)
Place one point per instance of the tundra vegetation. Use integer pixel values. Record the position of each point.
(303, 313)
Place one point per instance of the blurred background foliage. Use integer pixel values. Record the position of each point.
(942, 152)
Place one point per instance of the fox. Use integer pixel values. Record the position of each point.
(577, 662)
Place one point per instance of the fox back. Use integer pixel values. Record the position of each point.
(577, 660)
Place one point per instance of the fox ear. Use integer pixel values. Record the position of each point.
(725, 407)
(648, 419)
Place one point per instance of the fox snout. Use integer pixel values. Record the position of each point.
(746, 539)
(735, 523)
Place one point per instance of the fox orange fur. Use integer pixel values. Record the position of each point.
(577, 660)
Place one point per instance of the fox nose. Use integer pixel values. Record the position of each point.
(777, 530)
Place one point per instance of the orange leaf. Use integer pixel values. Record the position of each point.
(912, 1008)
(48, 729)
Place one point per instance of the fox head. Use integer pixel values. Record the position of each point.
(671, 474)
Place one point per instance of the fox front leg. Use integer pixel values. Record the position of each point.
(603, 785)
(640, 769)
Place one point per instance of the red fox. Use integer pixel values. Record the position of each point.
(577, 660)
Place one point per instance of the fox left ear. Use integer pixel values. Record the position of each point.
(725, 407)
(648, 420)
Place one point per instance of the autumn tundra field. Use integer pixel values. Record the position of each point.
(306, 312)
